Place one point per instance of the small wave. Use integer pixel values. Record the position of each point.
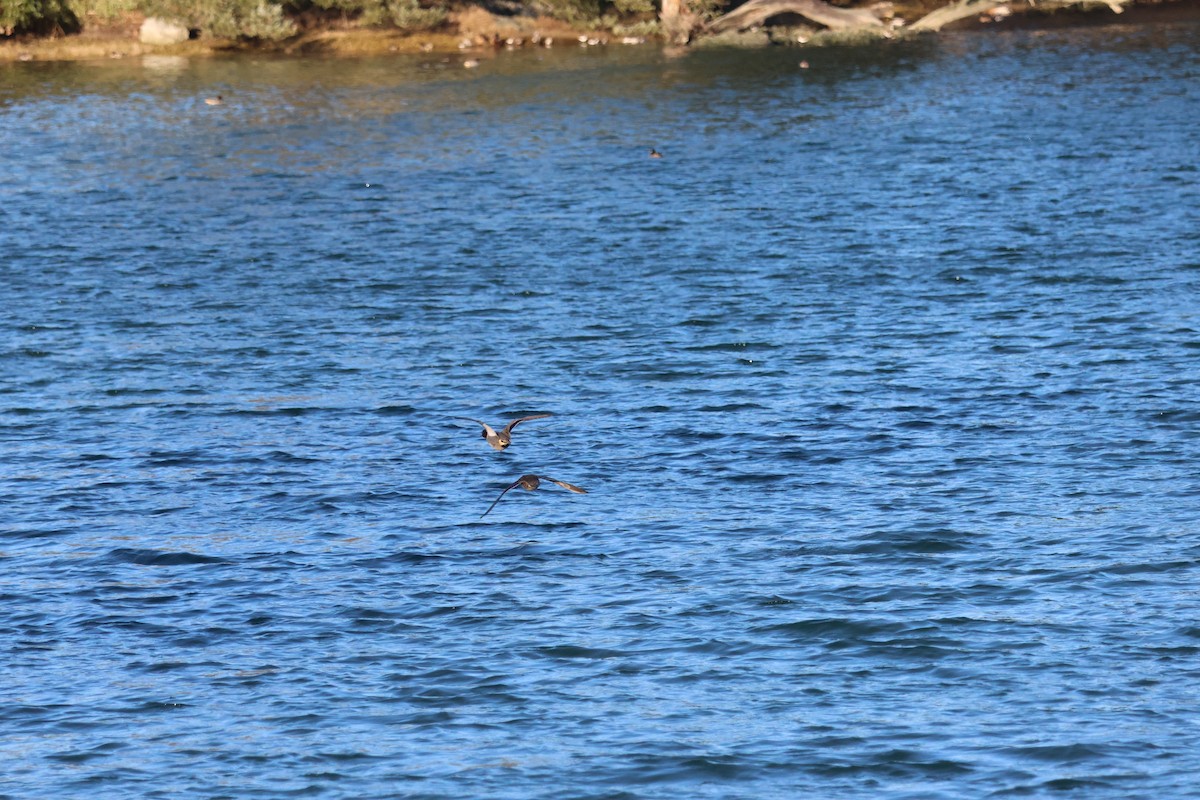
(833, 628)
(402, 557)
(568, 651)
(732, 347)
(395, 411)
(1061, 753)
(177, 458)
(160, 558)
(279, 411)
(923, 543)
(728, 407)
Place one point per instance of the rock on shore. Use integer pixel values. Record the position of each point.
(157, 31)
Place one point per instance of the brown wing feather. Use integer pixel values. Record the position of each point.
(497, 500)
(508, 428)
(570, 487)
(487, 429)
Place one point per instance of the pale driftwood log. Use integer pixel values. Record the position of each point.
(756, 12)
(1117, 6)
(934, 20)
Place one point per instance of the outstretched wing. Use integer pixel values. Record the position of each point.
(487, 429)
(497, 500)
(508, 428)
(568, 486)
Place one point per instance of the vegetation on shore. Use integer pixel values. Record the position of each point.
(277, 22)
(274, 20)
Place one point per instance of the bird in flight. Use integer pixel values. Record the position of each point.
(531, 482)
(503, 438)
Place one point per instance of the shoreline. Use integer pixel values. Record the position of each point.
(477, 31)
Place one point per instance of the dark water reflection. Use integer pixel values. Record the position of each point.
(882, 382)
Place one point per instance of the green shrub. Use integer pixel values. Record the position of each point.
(594, 12)
(410, 15)
(644, 28)
(405, 14)
(36, 16)
(575, 12)
(103, 10)
(706, 9)
(226, 19)
(630, 7)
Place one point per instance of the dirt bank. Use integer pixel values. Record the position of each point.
(476, 29)
(470, 29)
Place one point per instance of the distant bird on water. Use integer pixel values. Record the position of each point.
(214, 101)
(503, 438)
(531, 482)
(654, 153)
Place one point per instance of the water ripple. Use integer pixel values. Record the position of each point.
(882, 390)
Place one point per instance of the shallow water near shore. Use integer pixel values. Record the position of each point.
(882, 383)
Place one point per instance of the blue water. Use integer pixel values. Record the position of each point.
(883, 384)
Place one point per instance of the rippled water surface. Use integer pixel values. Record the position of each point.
(882, 382)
